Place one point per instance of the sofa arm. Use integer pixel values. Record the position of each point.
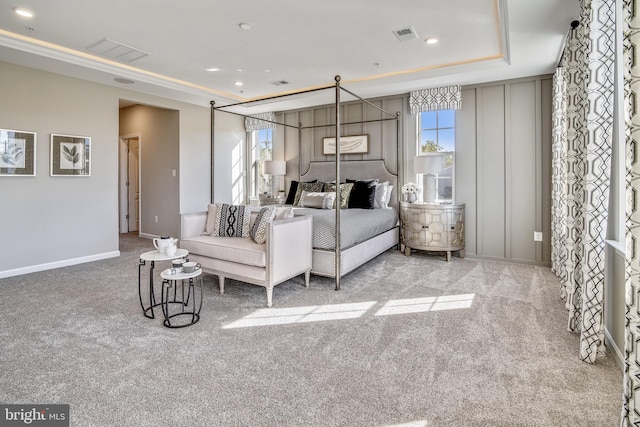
(192, 224)
(289, 248)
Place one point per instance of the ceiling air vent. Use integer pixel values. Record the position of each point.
(116, 50)
(280, 82)
(404, 34)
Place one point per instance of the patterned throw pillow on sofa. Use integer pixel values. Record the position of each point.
(232, 220)
(259, 230)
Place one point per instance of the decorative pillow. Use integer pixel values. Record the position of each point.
(211, 220)
(380, 200)
(388, 196)
(232, 220)
(345, 190)
(363, 194)
(306, 186)
(291, 196)
(283, 212)
(259, 229)
(317, 200)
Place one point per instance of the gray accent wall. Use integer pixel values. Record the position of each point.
(503, 146)
(503, 159)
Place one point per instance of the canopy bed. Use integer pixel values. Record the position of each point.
(344, 237)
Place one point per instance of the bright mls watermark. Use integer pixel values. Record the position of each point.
(34, 415)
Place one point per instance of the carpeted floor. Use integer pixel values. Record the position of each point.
(407, 341)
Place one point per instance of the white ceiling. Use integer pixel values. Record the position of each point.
(302, 42)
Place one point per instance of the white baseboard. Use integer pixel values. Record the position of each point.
(611, 344)
(57, 264)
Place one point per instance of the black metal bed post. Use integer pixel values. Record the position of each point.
(213, 111)
(299, 148)
(398, 154)
(338, 256)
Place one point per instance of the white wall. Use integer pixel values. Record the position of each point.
(50, 222)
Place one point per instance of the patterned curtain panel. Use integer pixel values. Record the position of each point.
(257, 121)
(584, 94)
(434, 99)
(631, 378)
(559, 207)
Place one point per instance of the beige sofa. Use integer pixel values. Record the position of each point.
(285, 254)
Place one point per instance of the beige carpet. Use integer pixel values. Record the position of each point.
(407, 341)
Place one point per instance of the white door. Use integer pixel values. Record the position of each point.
(133, 184)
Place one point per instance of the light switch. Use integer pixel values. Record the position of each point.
(173, 172)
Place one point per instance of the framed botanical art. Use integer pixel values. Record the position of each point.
(353, 144)
(17, 153)
(70, 155)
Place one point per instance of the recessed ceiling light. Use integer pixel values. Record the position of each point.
(237, 83)
(431, 40)
(245, 26)
(24, 12)
(213, 69)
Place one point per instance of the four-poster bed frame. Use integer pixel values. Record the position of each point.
(337, 125)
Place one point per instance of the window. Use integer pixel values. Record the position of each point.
(261, 146)
(436, 134)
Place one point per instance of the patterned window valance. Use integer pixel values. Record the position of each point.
(257, 121)
(436, 98)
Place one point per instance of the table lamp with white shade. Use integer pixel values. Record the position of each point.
(275, 168)
(429, 165)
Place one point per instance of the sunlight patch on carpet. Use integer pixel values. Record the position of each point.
(421, 305)
(313, 313)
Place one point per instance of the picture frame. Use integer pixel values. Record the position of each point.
(352, 144)
(17, 153)
(70, 155)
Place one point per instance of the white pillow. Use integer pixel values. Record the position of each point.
(317, 200)
(380, 200)
(284, 213)
(388, 198)
(211, 220)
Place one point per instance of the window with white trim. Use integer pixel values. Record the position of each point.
(261, 150)
(436, 135)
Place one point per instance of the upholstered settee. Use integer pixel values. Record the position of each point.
(279, 249)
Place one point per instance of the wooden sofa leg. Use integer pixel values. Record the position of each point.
(269, 296)
(221, 284)
(307, 276)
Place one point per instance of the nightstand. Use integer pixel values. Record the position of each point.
(432, 227)
(265, 200)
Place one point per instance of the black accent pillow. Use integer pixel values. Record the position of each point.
(363, 193)
(291, 196)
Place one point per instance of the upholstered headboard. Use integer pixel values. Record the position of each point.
(353, 169)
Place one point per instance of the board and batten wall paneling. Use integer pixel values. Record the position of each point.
(299, 152)
(522, 155)
(491, 171)
(503, 167)
(465, 167)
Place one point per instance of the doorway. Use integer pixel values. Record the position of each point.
(130, 183)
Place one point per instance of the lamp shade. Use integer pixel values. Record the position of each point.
(432, 163)
(275, 167)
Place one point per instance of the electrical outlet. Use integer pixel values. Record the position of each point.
(173, 172)
(155, 218)
(537, 236)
